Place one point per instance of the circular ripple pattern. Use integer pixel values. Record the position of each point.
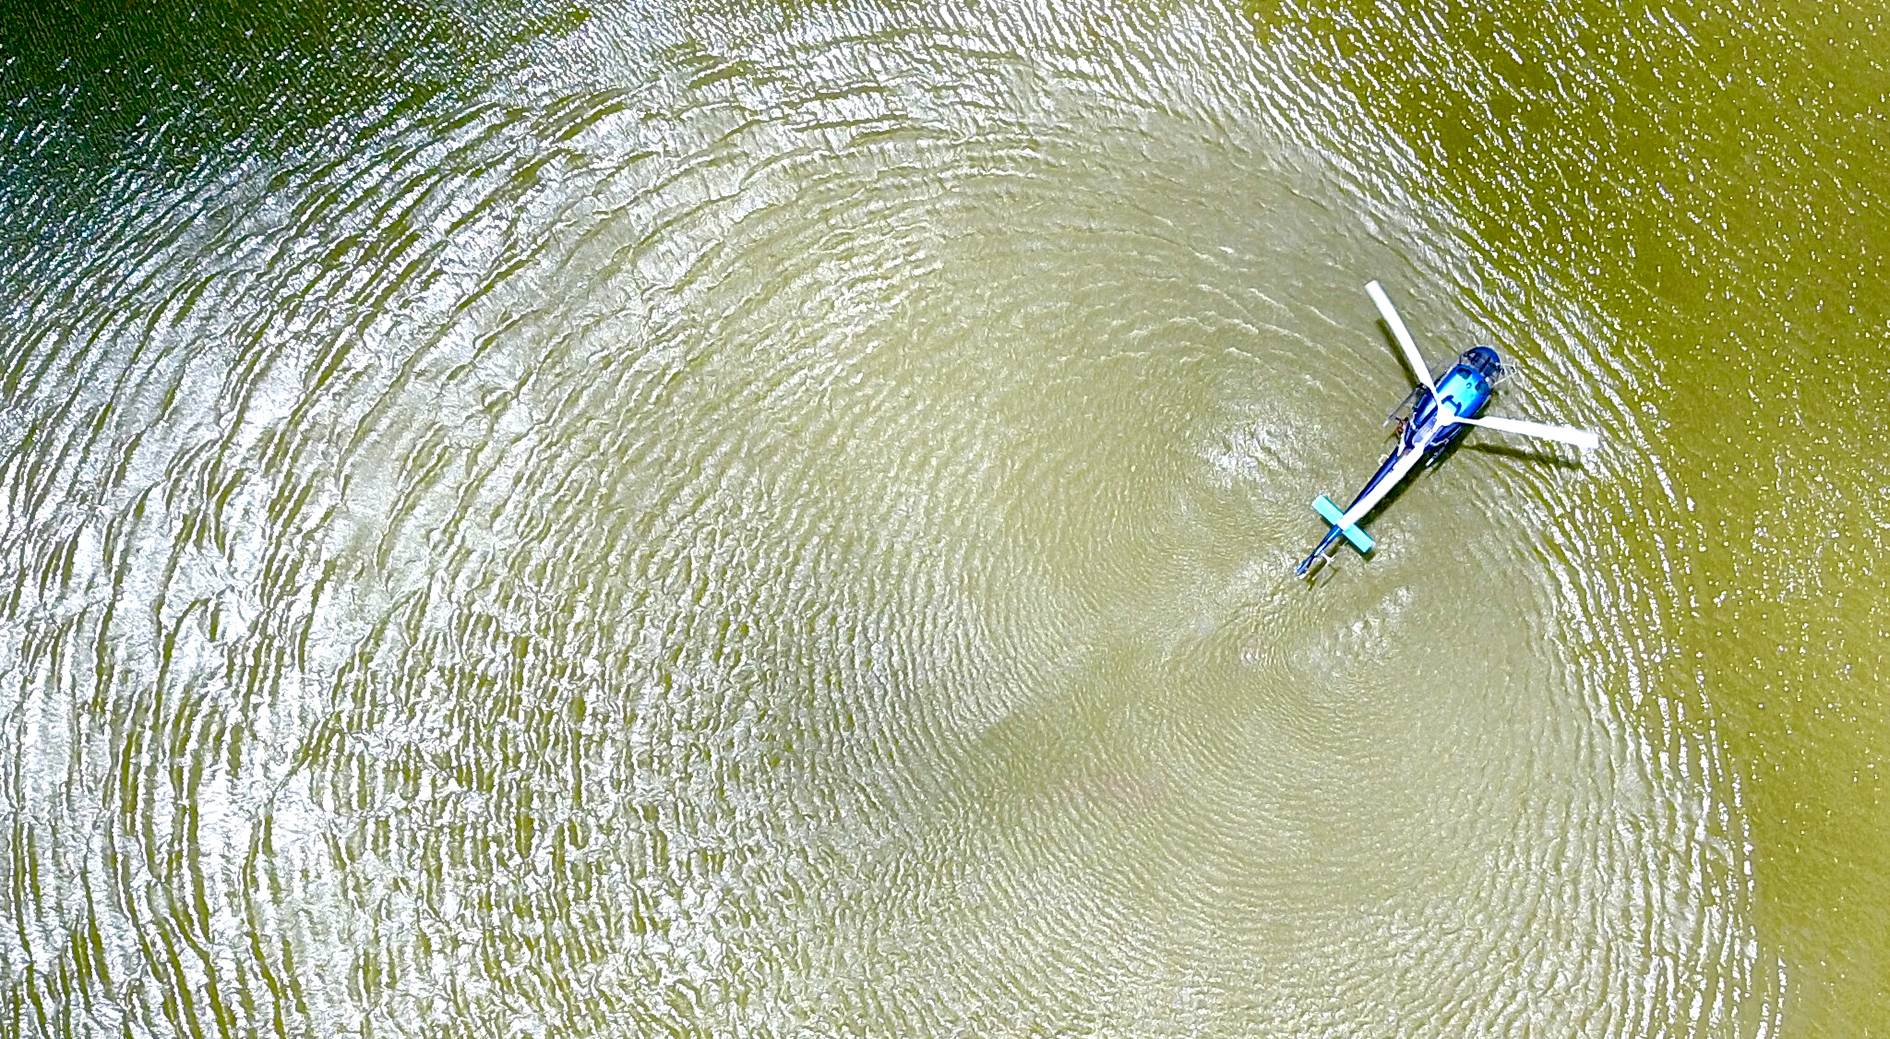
(778, 525)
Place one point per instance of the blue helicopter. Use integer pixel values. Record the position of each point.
(1433, 416)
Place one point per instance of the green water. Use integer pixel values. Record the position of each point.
(1711, 179)
(734, 520)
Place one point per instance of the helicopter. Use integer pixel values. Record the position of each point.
(1432, 417)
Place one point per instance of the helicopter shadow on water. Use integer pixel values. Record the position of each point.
(1522, 455)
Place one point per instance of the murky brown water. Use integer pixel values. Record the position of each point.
(647, 521)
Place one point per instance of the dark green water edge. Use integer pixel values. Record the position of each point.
(1711, 177)
(98, 93)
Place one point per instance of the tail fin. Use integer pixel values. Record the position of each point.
(1359, 539)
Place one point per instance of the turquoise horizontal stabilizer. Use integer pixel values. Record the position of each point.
(1359, 539)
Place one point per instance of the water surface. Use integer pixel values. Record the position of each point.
(646, 520)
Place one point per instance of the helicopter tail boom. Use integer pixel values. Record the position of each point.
(1359, 539)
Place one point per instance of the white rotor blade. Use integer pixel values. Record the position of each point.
(1401, 334)
(1579, 437)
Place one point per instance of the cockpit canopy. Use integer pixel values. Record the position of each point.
(1485, 361)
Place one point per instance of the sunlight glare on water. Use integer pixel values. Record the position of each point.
(780, 522)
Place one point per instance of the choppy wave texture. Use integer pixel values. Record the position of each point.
(778, 526)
